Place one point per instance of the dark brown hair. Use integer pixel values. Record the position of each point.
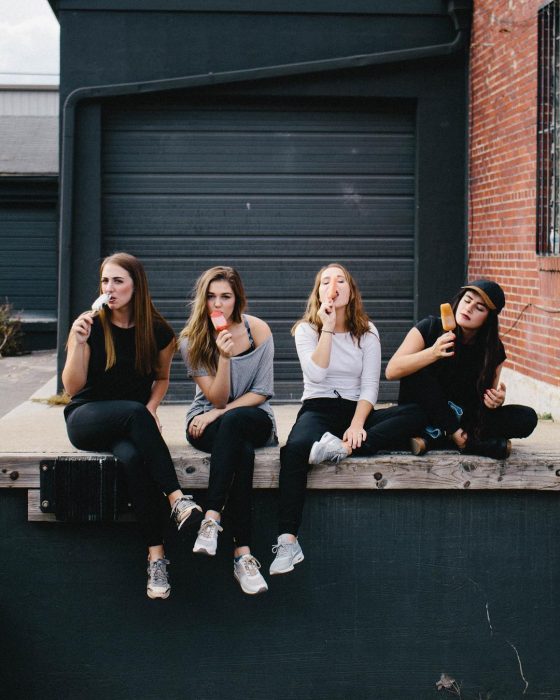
(144, 315)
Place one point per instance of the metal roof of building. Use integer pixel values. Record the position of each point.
(28, 130)
(28, 145)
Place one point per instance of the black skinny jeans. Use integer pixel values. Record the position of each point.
(386, 428)
(511, 421)
(231, 439)
(129, 431)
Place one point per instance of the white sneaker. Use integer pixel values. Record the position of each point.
(246, 571)
(207, 540)
(328, 449)
(287, 554)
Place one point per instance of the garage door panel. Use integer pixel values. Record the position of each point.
(262, 247)
(285, 390)
(254, 117)
(28, 258)
(276, 190)
(210, 184)
(260, 153)
(259, 216)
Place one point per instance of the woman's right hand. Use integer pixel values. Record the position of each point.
(327, 315)
(200, 422)
(224, 343)
(444, 345)
(459, 437)
(81, 328)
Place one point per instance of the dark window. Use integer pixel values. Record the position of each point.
(548, 132)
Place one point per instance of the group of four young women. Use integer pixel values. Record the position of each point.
(117, 373)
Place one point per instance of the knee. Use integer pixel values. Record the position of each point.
(138, 410)
(129, 456)
(414, 415)
(234, 424)
(139, 416)
(527, 421)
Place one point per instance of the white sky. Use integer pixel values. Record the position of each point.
(29, 42)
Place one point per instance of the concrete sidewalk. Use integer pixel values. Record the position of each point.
(32, 426)
(22, 376)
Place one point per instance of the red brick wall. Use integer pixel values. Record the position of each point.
(502, 198)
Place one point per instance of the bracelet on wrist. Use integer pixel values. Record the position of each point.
(331, 332)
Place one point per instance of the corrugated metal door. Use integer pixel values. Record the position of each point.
(274, 188)
(28, 258)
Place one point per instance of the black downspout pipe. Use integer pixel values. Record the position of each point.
(186, 82)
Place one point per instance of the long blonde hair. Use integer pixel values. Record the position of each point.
(355, 318)
(144, 314)
(202, 350)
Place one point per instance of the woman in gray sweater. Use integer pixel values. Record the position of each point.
(229, 355)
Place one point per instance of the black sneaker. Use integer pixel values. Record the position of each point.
(496, 448)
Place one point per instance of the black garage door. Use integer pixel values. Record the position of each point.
(274, 188)
(28, 258)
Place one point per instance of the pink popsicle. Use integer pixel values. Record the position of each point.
(219, 320)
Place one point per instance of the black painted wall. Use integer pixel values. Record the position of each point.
(106, 42)
(396, 588)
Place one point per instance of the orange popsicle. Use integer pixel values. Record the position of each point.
(447, 317)
(332, 289)
(219, 320)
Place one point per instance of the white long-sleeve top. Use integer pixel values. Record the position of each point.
(353, 369)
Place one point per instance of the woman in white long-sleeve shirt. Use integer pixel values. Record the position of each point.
(340, 356)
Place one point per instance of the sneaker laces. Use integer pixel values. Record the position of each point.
(209, 528)
(250, 564)
(277, 548)
(158, 572)
(179, 508)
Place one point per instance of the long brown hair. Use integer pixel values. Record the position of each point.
(202, 350)
(144, 314)
(355, 318)
(487, 343)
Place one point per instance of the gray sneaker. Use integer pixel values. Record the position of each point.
(328, 449)
(246, 571)
(185, 509)
(207, 540)
(287, 554)
(158, 580)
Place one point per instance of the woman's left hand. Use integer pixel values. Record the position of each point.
(494, 398)
(199, 423)
(354, 437)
